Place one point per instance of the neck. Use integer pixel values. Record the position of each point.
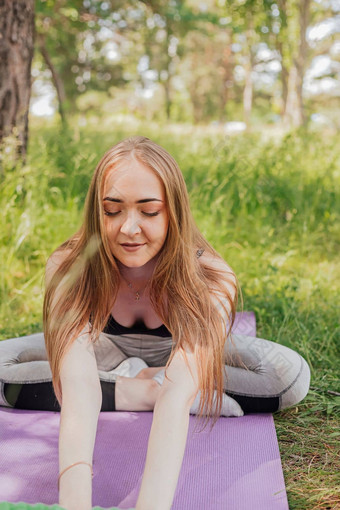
(137, 274)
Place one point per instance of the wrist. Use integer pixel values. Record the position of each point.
(78, 463)
(75, 489)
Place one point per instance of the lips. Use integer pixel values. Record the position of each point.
(132, 244)
(131, 247)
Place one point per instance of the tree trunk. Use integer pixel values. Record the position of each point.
(167, 97)
(227, 78)
(57, 81)
(300, 63)
(284, 83)
(248, 86)
(196, 106)
(284, 79)
(167, 82)
(280, 46)
(16, 53)
(292, 114)
(248, 93)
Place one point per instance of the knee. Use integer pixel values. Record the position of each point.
(149, 391)
(152, 391)
(132, 394)
(23, 360)
(143, 374)
(298, 389)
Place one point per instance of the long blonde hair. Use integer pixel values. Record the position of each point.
(85, 286)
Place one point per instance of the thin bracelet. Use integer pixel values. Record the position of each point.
(69, 467)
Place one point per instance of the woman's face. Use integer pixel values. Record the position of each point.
(136, 216)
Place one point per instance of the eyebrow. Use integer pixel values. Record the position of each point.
(142, 201)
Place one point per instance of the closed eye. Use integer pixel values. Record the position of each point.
(115, 213)
(111, 213)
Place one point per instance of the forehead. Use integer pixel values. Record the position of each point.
(130, 179)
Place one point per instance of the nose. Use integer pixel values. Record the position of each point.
(130, 226)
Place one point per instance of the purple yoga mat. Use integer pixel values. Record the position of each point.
(245, 324)
(236, 466)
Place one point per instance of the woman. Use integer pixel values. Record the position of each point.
(138, 288)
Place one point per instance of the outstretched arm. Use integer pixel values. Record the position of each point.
(81, 404)
(80, 409)
(168, 435)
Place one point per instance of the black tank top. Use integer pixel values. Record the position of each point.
(114, 328)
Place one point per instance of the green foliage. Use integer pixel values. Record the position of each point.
(194, 57)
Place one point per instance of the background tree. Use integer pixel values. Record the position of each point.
(295, 16)
(212, 61)
(250, 21)
(16, 53)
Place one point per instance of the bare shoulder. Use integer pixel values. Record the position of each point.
(54, 262)
(214, 262)
(221, 265)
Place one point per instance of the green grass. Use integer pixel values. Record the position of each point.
(271, 207)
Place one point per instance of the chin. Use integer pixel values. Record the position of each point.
(130, 262)
(135, 259)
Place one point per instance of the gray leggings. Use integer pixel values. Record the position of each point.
(262, 376)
